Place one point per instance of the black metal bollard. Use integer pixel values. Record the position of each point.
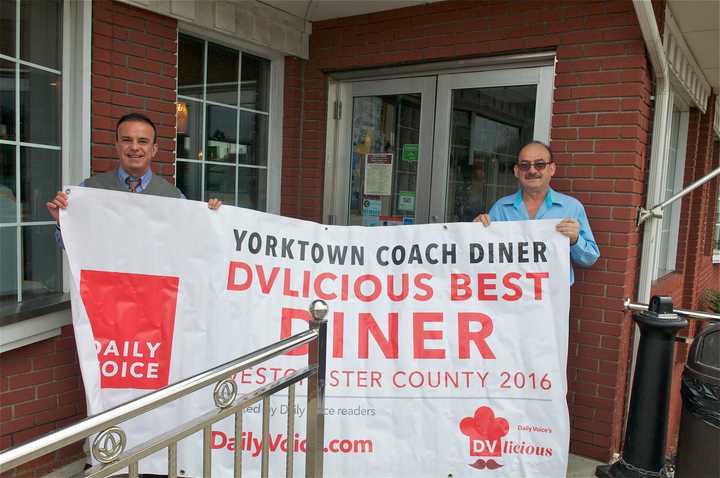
(644, 447)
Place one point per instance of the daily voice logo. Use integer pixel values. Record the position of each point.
(132, 317)
(485, 432)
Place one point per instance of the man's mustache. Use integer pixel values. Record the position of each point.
(533, 176)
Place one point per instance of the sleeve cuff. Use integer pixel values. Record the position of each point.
(579, 244)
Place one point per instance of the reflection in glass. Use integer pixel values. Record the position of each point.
(252, 188)
(7, 100)
(487, 130)
(222, 75)
(253, 138)
(189, 129)
(221, 134)
(41, 32)
(220, 182)
(189, 179)
(254, 83)
(8, 264)
(191, 60)
(40, 179)
(42, 261)
(7, 27)
(385, 124)
(40, 96)
(8, 196)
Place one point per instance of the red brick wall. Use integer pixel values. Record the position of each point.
(41, 391)
(134, 68)
(600, 129)
(292, 168)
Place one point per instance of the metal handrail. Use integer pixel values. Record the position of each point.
(197, 424)
(690, 314)
(657, 210)
(106, 421)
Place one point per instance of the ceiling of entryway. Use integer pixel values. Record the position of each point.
(699, 22)
(317, 10)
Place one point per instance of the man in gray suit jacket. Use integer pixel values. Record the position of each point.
(136, 145)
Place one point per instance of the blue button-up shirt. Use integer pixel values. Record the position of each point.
(556, 206)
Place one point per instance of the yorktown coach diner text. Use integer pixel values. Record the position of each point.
(412, 254)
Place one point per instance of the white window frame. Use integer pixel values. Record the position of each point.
(666, 265)
(18, 144)
(275, 106)
(716, 235)
(75, 155)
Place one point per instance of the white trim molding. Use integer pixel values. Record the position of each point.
(29, 331)
(251, 20)
(685, 71)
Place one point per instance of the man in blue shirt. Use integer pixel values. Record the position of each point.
(537, 200)
(136, 146)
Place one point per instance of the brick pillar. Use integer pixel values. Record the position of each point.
(134, 69)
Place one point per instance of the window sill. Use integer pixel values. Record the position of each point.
(32, 321)
(16, 312)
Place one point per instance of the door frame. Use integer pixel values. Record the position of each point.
(337, 84)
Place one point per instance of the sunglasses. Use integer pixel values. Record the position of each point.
(538, 165)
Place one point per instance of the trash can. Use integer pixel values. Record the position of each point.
(698, 454)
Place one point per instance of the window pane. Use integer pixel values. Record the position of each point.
(189, 179)
(8, 201)
(191, 54)
(39, 106)
(221, 134)
(673, 155)
(8, 264)
(255, 82)
(189, 129)
(41, 32)
(40, 179)
(42, 261)
(253, 138)
(487, 130)
(7, 27)
(222, 75)
(666, 259)
(7, 100)
(252, 188)
(220, 182)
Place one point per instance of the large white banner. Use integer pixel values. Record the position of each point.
(447, 344)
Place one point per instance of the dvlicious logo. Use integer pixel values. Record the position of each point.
(132, 317)
(485, 432)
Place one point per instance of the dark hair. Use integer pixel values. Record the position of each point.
(136, 117)
(547, 148)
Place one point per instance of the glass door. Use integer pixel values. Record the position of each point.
(385, 154)
(482, 121)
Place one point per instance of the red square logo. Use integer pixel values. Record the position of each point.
(132, 318)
